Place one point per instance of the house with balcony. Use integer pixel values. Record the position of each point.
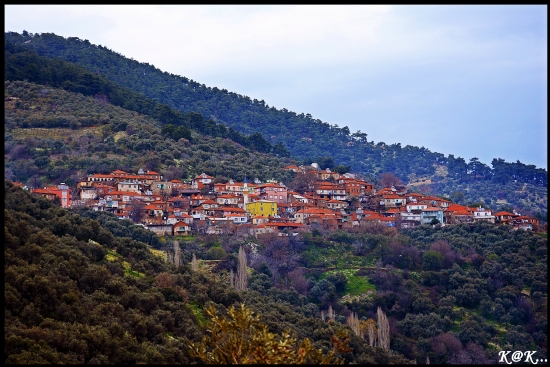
(329, 191)
(525, 222)
(483, 214)
(392, 201)
(155, 209)
(429, 214)
(503, 217)
(409, 219)
(285, 228)
(415, 207)
(147, 177)
(179, 216)
(228, 199)
(435, 201)
(337, 204)
(109, 179)
(181, 229)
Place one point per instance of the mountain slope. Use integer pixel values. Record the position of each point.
(307, 139)
(77, 293)
(60, 136)
(304, 136)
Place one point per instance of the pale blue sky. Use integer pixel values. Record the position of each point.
(465, 80)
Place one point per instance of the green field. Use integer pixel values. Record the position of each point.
(357, 284)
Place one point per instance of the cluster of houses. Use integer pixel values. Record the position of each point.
(332, 201)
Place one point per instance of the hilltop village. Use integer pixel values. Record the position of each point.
(331, 201)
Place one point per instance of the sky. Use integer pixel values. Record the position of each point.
(467, 80)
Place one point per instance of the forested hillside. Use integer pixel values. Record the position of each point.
(82, 287)
(56, 136)
(77, 293)
(186, 104)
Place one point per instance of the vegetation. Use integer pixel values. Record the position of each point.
(107, 138)
(26, 65)
(481, 289)
(243, 339)
(182, 105)
(85, 287)
(68, 298)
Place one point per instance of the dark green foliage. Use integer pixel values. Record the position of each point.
(120, 228)
(432, 260)
(339, 280)
(57, 279)
(260, 282)
(181, 102)
(59, 287)
(64, 303)
(25, 64)
(139, 143)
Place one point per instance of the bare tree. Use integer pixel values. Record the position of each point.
(232, 279)
(194, 263)
(198, 226)
(298, 280)
(443, 247)
(370, 328)
(177, 254)
(353, 322)
(136, 214)
(303, 182)
(383, 330)
(241, 279)
(164, 280)
(331, 313)
(388, 179)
